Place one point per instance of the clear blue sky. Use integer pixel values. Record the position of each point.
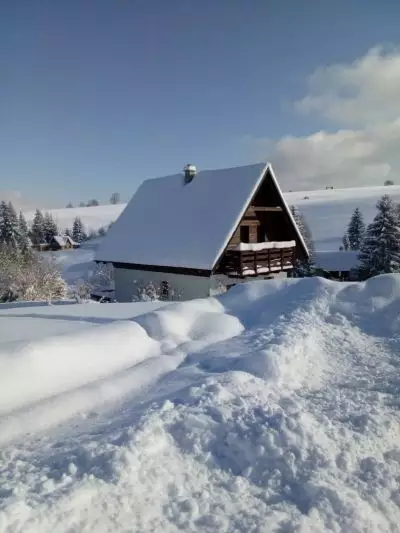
(96, 95)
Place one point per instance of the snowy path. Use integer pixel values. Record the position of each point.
(272, 409)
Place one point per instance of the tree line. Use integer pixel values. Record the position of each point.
(15, 233)
(115, 199)
(24, 274)
(378, 243)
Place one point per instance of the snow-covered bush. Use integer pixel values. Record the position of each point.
(100, 279)
(150, 291)
(28, 277)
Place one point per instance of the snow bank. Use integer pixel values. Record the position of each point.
(272, 408)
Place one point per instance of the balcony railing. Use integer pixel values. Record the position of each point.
(260, 259)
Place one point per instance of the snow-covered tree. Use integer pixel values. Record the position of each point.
(69, 205)
(115, 198)
(82, 204)
(345, 242)
(23, 233)
(380, 251)
(92, 203)
(356, 230)
(37, 230)
(50, 228)
(78, 230)
(8, 225)
(28, 277)
(306, 267)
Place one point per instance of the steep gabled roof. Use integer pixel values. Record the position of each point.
(171, 224)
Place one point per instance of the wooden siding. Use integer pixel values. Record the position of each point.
(267, 220)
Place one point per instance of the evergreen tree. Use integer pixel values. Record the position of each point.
(50, 228)
(78, 230)
(37, 231)
(306, 267)
(69, 205)
(115, 198)
(8, 225)
(356, 230)
(345, 241)
(23, 242)
(68, 232)
(380, 251)
(82, 204)
(92, 203)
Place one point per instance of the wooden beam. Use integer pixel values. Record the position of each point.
(268, 209)
(250, 222)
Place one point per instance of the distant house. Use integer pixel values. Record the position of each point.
(196, 234)
(337, 265)
(62, 242)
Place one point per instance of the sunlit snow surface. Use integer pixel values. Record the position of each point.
(327, 211)
(271, 409)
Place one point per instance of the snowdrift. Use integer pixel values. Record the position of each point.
(273, 408)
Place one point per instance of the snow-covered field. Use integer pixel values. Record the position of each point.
(328, 211)
(274, 408)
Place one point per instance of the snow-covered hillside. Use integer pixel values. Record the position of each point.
(328, 211)
(93, 218)
(273, 408)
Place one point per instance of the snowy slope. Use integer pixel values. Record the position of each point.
(93, 218)
(272, 409)
(328, 211)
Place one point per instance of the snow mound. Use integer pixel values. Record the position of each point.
(273, 408)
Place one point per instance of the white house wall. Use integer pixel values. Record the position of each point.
(187, 287)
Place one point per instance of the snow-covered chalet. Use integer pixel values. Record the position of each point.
(196, 234)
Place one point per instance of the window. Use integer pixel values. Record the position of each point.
(244, 234)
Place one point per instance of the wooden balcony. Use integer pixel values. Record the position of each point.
(242, 263)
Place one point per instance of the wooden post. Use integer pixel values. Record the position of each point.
(255, 262)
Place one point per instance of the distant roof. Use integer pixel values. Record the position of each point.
(336, 260)
(169, 223)
(62, 240)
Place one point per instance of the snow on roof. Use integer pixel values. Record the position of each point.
(336, 260)
(70, 240)
(168, 223)
(60, 240)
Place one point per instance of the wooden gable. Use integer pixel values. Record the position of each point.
(267, 219)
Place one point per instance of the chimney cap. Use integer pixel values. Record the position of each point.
(189, 171)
